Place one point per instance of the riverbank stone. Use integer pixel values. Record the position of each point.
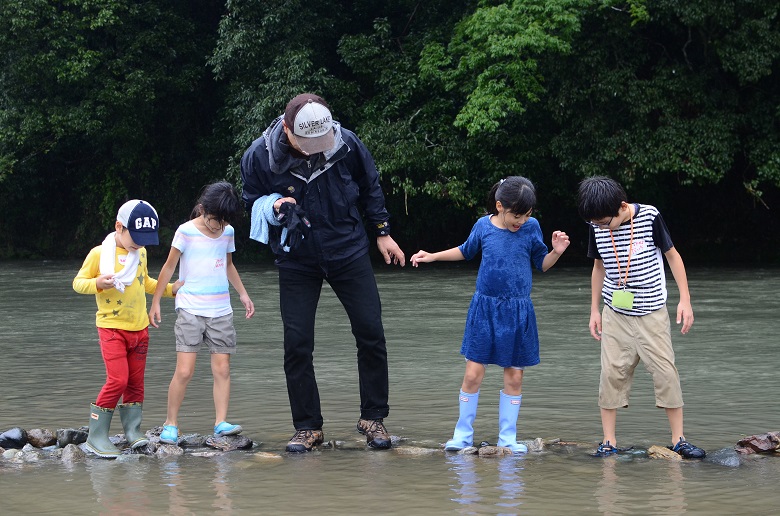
(41, 437)
(72, 453)
(14, 438)
(66, 436)
(759, 443)
(229, 442)
(662, 452)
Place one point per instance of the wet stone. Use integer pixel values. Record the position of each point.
(13, 438)
(206, 454)
(266, 456)
(193, 440)
(535, 445)
(72, 453)
(415, 450)
(494, 451)
(726, 457)
(66, 436)
(41, 437)
(168, 450)
(229, 442)
(662, 452)
(760, 443)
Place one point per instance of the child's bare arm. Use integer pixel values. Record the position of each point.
(596, 284)
(235, 280)
(450, 255)
(162, 282)
(684, 308)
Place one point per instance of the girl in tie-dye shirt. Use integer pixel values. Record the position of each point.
(203, 248)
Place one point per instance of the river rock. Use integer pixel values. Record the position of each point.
(192, 440)
(761, 443)
(494, 451)
(266, 456)
(41, 437)
(72, 453)
(535, 445)
(726, 457)
(66, 436)
(662, 452)
(469, 450)
(415, 450)
(166, 450)
(229, 442)
(13, 438)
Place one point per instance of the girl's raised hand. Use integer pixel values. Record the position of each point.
(560, 241)
(421, 257)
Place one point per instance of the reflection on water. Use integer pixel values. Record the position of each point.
(50, 370)
(466, 480)
(662, 493)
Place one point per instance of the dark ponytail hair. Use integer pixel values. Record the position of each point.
(220, 200)
(516, 193)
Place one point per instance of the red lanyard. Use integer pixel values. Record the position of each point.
(630, 246)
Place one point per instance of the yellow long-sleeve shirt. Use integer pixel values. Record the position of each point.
(123, 311)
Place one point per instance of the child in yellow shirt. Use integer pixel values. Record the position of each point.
(116, 273)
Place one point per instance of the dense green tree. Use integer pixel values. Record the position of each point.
(100, 101)
(678, 100)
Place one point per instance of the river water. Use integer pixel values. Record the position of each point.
(50, 371)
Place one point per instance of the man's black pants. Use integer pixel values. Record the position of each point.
(299, 294)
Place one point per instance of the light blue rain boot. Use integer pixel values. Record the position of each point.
(508, 410)
(464, 428)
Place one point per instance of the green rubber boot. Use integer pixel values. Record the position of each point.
(130, 414)
(98, 442)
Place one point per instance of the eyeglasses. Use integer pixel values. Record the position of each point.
(600, 225)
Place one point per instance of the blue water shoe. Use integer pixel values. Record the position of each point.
(605, 450)
(687, 450)
(225, 428)
(169, 435)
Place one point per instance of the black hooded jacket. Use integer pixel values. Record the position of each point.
(334, 189)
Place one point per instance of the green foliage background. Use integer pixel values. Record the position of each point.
(106, 100)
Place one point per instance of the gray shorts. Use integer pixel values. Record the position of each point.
(193, 330)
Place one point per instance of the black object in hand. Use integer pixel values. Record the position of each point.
(293, 217)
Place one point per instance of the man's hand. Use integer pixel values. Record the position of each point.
(390, 250)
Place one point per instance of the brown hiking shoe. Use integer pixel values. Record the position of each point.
(375, 432)
(305, 440)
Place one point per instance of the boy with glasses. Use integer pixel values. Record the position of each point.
(628, 242)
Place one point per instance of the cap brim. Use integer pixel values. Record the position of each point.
(143, 238)
(315, 145)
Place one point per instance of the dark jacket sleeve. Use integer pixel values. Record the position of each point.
(253, 165)
(364, 172)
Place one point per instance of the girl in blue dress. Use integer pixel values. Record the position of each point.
(501, 324)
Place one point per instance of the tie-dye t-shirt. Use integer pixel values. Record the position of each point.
(202, 266)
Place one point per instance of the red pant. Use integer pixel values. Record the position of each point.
(124, 353)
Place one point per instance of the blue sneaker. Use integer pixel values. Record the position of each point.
(225, 428)
(605, 450)
(688, 450)
(169, 435)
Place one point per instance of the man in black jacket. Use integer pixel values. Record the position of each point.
(307, 159)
